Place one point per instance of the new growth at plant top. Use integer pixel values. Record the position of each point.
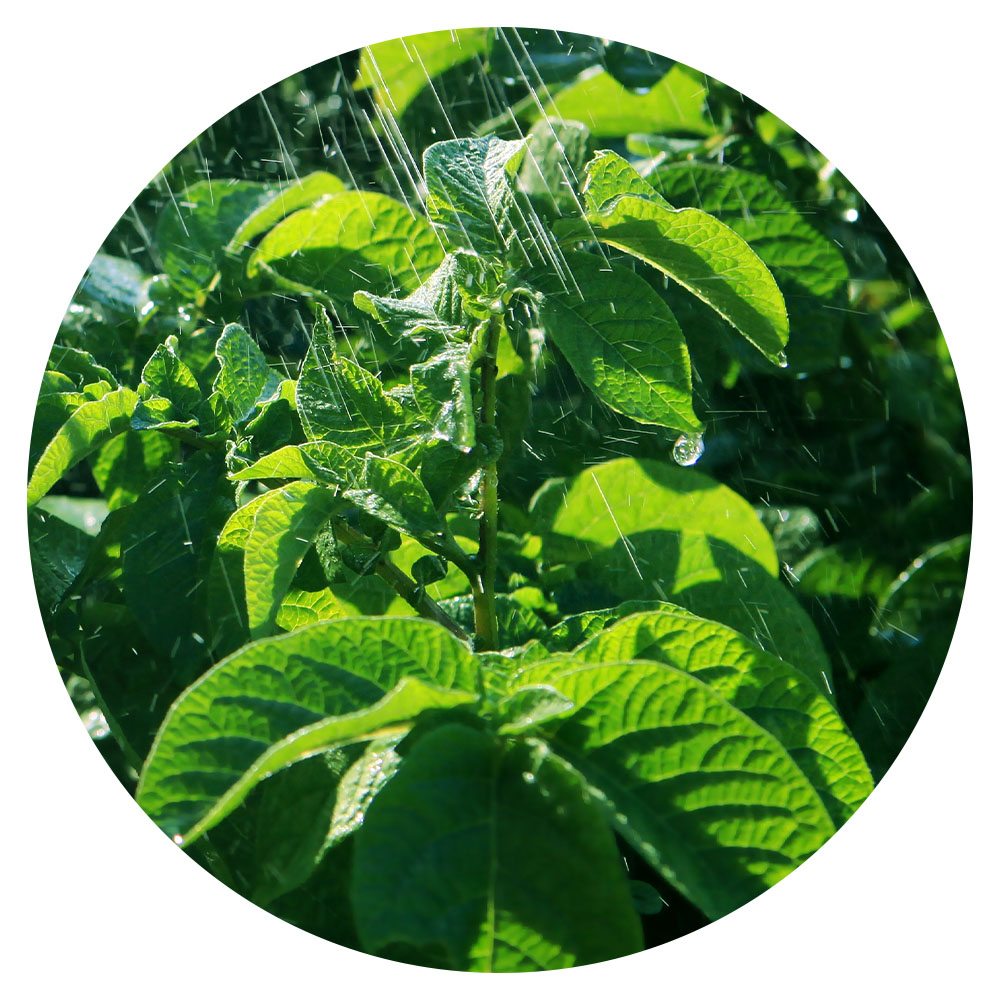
(429, 640)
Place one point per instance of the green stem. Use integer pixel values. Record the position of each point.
(405, 586)
(484, 596)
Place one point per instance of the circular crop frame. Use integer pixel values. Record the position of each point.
(499, 499)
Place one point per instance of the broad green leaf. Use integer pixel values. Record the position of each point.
(394, 494)
(156, 413)
(339, 401)
(289, 198)
(361, 782)
(196, 226)
(620, 338)
(213, 219)
(82, 367)
(709, 798)
(702, 254)
(284, 527)
(398, 69)
(634, 67)
(322, 461)
(913, 627)
(487, 858)
(118, 283)
(166, 375)
(307, 607)
(169, 536)
(808, 267)
(776, 695)
(58, 397)
(534, 56)
(285, 463)
(355, 238)
(710, 578)
(268, 690)
(89, 426)
(124, 467)
(553, 169)
(470, 191)
(575, 630)
(442, 389)
(609, 176)
(193, 779)
(291, 815)
(528, 707)
(276, 423)
(610, 502)
(675, 104)
(226, 587)
(437, 309)
(245, 380)
(59, 552)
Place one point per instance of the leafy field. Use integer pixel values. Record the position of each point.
(365, 523)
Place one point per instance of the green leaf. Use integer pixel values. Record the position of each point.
(284, 528)
(226, 587)
(675, 104)
(353, 238)
(776, 695)
(487, 858)
(338, 401)
(289, 198)
(442, 389)
(169, 536)
(436, 310)
(575, 630)
(88, 427)
(400, 68)
(78, 365)
(307, 607)
(470, 191)
(608, 176)
(709, 798)
(193, 777)
(702, 254)
(635, 68)
(809, 269)
(213, 219)
(245, 379)
(553, 168)
(361, 782)
(620, 338)
(615, 500)
(124, 467)
(291, 812)
(394, 494)
(116, 283)
(167, 376)
(59, 552)
(530, 706)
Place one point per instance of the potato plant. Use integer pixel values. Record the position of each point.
(343, 660)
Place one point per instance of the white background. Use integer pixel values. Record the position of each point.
(97, 903)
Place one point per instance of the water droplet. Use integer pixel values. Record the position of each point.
(688, 448)
(178, 840)
(529, 778)
(782, 359)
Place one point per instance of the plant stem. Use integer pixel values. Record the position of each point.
(484, 597)
(405, 586)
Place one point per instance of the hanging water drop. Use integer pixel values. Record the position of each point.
(688, 448)
(178, 840)
(782, 359)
